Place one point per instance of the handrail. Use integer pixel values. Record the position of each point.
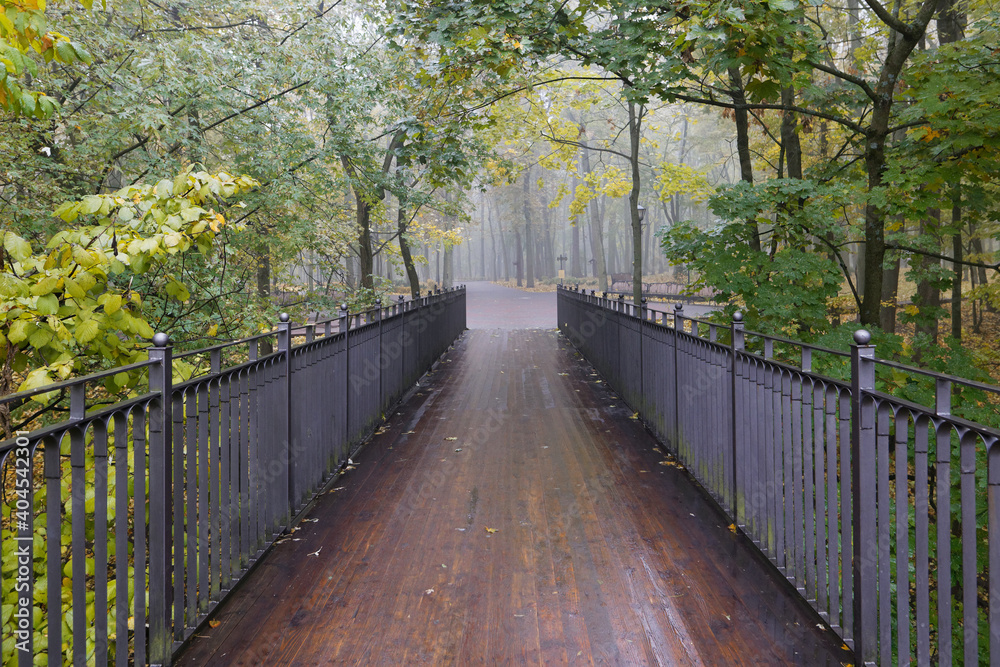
(865, 502)
(142, 516)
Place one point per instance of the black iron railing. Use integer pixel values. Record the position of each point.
(883, 513)
(125, 525)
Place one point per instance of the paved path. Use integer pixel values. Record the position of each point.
(510, 513)
(491, 306)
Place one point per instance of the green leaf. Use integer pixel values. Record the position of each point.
(86, 331)
(40, 337)
(48, 304)
(46, 285)
(18, 331)
(178, 290)
(112, 303)
(12, 287)
(91, 204)
(18, 248)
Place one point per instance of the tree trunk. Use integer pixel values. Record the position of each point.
(575, 266)
(596, 233)
(264, 289)
(482, 240)
(635, 133)
(890, 289)
(876, 135)
(404, 251)
(519, 262)
(956, 281)
(529, 240)
(928, 297)
(742, 116)
(790, 136)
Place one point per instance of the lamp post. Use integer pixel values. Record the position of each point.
(562, 267)
(641, 210)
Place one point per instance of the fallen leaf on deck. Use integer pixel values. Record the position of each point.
(459, 449)
(451, 438)
(635, 415)
(214, 624)
(310, 520)
(409, 432)
(564, 374)
(492, 530)
(429, 591)
(315, 553)
(732, 529)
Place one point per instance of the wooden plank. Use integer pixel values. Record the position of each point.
(600, 555)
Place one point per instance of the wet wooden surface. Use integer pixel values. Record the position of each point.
(512, 513)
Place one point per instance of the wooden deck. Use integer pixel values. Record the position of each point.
(511, 512)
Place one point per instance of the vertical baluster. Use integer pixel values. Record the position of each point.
(100, 430)
(121, 523)
(808, 491)
(795, 415)
(822, 509)
(942, 429)
(903, 505)
(846, 513)
(192, 464)
(159, 529)
(967, 461)
(285, 391)
(244, 463)
(993, 537)
(833, 525)
(53, 528)
(883, 530)
(204, 468)
(863, 473)
(179, 507)
(78, 547)
(737, 343)
(217, 473)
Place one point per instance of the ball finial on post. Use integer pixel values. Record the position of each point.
(161, 339)
(862, 337)
(737, 316)
(283, 317)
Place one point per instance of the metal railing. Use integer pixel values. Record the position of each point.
(130, 522)
(884, 514)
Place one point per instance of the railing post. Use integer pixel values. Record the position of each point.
(345, 328)
(863, 479)
(738, 343)
(378, 360)
(285, 347)
(160, 509)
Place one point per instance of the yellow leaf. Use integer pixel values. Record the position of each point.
(217, 223)
(214, 624)
(732, 528)
(635, 415)
(213, 330)
(451, 438)
(492, 530)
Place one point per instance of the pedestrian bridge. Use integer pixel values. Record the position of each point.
(624, 488)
